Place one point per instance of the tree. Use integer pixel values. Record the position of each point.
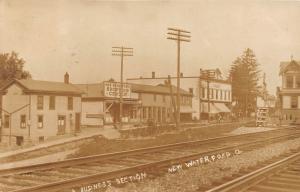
(11, 66)
(244, 74)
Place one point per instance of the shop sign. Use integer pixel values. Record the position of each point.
(112, 89)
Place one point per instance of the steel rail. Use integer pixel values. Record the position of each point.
(101, 157)
(94, 178)
(238, 183)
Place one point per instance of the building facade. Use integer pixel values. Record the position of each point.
(215, 94)
(219, 99)
(101, 104)
(36, 110)
(141, 103)
(157, 103)
(289, 93)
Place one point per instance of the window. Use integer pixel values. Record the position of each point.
(164, 98)
(211, 93)
(61, 121)
(40, 102)
(23, 121)
(229, 95)
(150, 112)
(6, 121)
(41, 139)
(294, 102)
(289, 81)
(221, 94)
(154, 97)
(70, 103)
(40, 121)
(51, 102)
(225, 95)
(217, 94)
(144, 112)
(154, 113)
(297, 81)
(203, 92)
(168, 112)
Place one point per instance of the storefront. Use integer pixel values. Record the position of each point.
(101, 104)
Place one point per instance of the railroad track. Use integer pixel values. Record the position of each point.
(282, 175)
(78, 172)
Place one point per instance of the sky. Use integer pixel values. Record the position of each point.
(77, 36)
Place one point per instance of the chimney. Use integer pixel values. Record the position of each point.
(153, 74)
(67, 78)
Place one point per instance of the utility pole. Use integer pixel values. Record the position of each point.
(208, 100)
(121, 52)
(178, 35)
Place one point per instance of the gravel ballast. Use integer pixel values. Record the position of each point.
(193, 178)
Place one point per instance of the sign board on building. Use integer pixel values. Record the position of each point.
(112, 89)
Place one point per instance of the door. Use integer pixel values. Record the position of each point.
(19, 140)
(61, 129)
(77, 122)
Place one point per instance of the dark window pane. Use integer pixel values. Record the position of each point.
(294, 102)
(289, 81)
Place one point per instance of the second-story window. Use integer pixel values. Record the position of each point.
(217, 94)
(203, 93)
(40, 102)
(23, 121)
(294, 102)
(289, 81)
(221, 94)
(164, 98)
(154, 97)
(6, 121)
(51, 102)
(298, 81)
(70, 103)
(211, 93)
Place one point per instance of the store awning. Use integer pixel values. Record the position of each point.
(222, 107)
(212, 108)
(215, 108)
(187, 109)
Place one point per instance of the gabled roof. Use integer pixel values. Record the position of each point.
(93, 90)
(289, 65)
(36, 86)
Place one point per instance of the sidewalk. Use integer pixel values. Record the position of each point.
(85, 134)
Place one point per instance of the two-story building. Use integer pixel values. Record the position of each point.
(34, 110)
(157, 102)
(141, 103)
(101, 104)
(215, 94)
(219, 99)
(289, 94)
